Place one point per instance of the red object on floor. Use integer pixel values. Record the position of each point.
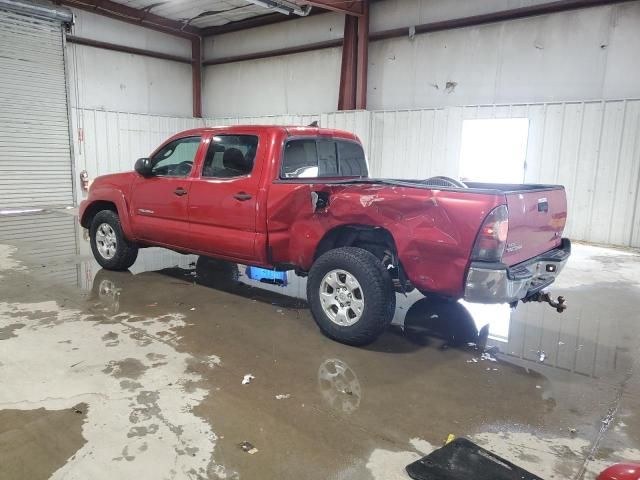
(621, 471)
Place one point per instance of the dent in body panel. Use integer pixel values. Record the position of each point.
(433, 230)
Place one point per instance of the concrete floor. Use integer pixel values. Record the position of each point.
(138, 375)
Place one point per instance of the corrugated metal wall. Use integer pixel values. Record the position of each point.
(592, 148)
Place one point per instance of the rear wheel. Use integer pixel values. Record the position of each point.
(351, 295)
(111, 250)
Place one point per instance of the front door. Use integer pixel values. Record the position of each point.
(222, 201)
(159, 202)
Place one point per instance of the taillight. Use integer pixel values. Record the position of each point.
(492, 237)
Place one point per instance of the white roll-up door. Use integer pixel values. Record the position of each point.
(35, 155)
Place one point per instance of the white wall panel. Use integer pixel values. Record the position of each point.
(592, 148)
(109, 80)
(289, 84)
(105, 29)
(570, 56)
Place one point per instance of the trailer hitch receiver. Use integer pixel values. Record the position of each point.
(545, 297)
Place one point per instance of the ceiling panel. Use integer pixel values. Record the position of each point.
(200, 13)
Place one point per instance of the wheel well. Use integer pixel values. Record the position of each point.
(94, 208)
(376, 240)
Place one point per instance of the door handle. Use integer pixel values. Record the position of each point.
(180, 191)
(243, 197)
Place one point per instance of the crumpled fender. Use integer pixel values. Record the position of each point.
(433, 230)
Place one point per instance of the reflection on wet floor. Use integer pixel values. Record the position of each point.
(372, 407)
(581, 340)
(533, 333)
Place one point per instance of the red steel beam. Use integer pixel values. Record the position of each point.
(310, 47)
(362, 58)
(500, 16)
(134, 16)
(347, 93)
(350, 7)
(125, 49)
(196, 73)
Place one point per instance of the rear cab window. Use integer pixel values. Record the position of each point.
(322, 158)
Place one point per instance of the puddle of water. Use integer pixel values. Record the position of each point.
(583, 340)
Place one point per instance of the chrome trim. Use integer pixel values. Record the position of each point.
(502, 284)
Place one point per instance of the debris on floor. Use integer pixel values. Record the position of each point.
(283, 396)
(541, 356)
(247, 379)
(488, 356)
(462, 459)
(248, 447)
(473, 360)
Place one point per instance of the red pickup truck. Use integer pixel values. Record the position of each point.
(299, 198)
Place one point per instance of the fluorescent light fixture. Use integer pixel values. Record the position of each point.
(282, 6)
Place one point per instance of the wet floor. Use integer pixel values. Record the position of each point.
(139, 374)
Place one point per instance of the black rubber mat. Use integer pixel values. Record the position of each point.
(464, 460)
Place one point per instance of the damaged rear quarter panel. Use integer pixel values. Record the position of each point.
(434, 230)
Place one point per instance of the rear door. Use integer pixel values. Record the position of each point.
(536, 222)
(223, 198)
(159, 203)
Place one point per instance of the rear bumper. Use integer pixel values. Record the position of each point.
(498, 283)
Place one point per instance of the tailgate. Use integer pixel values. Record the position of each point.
(536, 221)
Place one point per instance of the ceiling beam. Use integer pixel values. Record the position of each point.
(350, 7)
(253, 22)
(134, 16)
(89, 42)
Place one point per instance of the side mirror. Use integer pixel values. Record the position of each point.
(143, 167)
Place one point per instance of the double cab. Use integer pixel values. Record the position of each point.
(300, 198)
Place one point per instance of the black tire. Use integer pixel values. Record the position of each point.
(377, 289)
(125, 254)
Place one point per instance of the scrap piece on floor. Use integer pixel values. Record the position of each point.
(462, 459)
(248, 447)
(247, 379)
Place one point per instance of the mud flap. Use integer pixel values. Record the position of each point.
(464, 460)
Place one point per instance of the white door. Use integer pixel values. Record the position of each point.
(494, 150)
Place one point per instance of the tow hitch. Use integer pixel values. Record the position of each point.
(545, 297)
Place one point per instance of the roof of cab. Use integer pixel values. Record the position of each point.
(292, 130)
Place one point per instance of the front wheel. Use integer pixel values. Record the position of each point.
(109, 247)
(351, 295)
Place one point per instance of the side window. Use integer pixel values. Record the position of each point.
(300, 159)
(176, 158)
(311, 158)
(352, 161)
(230, 156)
